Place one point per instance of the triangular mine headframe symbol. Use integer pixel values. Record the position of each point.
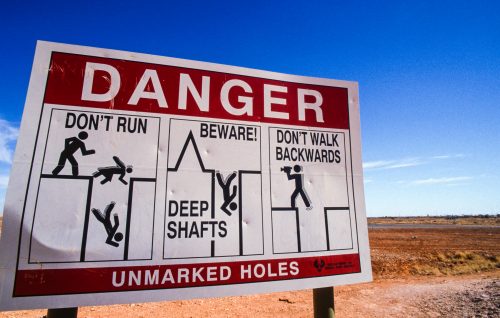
(190, 139)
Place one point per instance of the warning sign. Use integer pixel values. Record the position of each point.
(209, 220)
(309, 179)
(102, 185)
(151, 178)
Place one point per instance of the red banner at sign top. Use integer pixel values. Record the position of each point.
(98, 82)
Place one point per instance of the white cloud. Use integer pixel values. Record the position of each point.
(449, 156)
(375, 164)
(392, 164)
(407, 162)
(445, 180)
(4, 181)
(8, 135)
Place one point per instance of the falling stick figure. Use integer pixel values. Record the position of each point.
(72, 145)
(298, 177)
(109, 172)
(111, 229)
(227, 193)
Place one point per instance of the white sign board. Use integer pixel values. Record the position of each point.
(145, 178)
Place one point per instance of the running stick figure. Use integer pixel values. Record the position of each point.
(109, 172)
(111, 229)
(72, 145)
(228, 196)
(298, 177)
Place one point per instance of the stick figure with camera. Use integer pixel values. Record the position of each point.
(298, 177)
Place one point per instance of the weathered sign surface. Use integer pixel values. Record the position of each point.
(144, 178)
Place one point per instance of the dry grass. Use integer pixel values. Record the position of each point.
(434, 251)
(490, 220)
(457, 263)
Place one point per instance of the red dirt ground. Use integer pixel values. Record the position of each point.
(418, 272)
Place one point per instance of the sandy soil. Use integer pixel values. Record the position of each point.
(463, 296)
(419, 272)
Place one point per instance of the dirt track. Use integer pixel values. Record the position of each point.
(422, 272)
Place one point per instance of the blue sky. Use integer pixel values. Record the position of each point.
(428, 72)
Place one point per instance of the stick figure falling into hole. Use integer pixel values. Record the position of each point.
(105, 218)
(229, 195)
(109, 172)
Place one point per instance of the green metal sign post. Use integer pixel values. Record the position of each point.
(71, 312)
(323, 302)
